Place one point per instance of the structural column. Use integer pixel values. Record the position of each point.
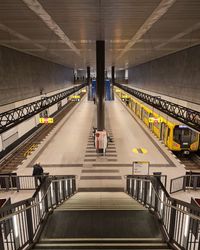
(100, 85)
(88, 75)
(89, 87)
(113, 80)
(113, 74)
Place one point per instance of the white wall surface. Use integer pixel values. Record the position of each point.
(170, 99)
(1, 144)
(13, 134)
(52, 109)
(26, 126)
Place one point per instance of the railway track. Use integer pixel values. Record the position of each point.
(191, 162)
(15, 158)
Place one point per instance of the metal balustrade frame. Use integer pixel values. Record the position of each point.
(185, 182)
(180, 221)
(185, 115)
(15, 116)
(21, 223)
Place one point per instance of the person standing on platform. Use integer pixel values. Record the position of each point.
(38, 172)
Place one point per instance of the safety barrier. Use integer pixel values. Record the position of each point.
(14, 182)
(184, 182)
(21, 222)
(180, 220)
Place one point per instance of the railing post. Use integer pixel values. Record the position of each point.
(56, 192)
(1, 237)
(68, 187)
(128, 185)
(195, 182)
(145, 192)
(17, 183)
(29, 221)
(73, 185)
(132, 187)
(137, 188)
(170, 188)
(63, 189)
(184, 182)
(7, 182)
(157, 191)
(172, 221)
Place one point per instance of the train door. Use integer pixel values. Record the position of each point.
(142, 113)
(166, 135)
(150, 123)
(162, 131)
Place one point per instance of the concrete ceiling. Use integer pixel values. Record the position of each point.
(65, 31)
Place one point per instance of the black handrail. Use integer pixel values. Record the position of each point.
(15, 116)
(185, 115)
(185, 182)
(180, 220)
(21, 222)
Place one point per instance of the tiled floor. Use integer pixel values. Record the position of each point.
(65, 151)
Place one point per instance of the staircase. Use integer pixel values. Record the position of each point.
(101, 220)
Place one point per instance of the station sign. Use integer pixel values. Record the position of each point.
(140, 168)
(153, 119)
(46, 120)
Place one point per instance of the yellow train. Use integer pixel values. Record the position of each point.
(176, 136)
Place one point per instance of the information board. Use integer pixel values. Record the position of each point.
(140, 168)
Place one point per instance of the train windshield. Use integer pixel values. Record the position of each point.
(184, 136)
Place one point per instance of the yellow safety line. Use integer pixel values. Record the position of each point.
(30, 150)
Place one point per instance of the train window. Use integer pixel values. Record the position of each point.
(193, 136)
(186, 132)
(182, 135)
(177, 134)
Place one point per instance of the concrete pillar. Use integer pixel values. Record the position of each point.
(113, 80)
(113, 74)
(88, 75)
(100, 84)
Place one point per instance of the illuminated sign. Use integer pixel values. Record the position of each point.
(153, 119)
(183, 126)
(46, 120)
(75, 97)
(125, 96)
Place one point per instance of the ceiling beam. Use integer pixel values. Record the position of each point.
(28, 40)
(37, 8)
(180, 35)
(19, 36)
(159, 11)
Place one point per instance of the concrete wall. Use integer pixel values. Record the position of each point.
(23, 76)
(176, 75)
(120, 75)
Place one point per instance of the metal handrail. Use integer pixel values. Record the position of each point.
(17, 232)
(29, 137)
(183, 114)
(183, 233)
(183, 184)
(170, 198)
(35, 204)
(15, 116)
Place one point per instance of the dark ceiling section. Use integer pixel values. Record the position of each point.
(59, 30)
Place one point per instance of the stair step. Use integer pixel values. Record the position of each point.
(100, 245)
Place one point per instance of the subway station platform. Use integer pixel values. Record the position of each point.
(69, 149)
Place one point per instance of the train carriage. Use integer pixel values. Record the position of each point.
(176, 136)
